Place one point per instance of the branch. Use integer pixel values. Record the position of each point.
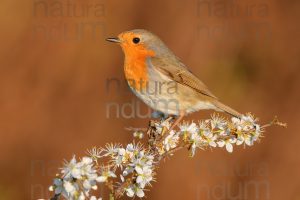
(130, 170)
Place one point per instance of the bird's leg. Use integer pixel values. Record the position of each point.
(181, 115)
(173, 125)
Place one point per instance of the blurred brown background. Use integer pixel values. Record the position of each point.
(54, 94)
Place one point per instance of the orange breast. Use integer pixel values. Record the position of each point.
(136, 71)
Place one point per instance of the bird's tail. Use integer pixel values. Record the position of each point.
(227, 109)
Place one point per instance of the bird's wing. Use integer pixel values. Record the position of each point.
(179, 73)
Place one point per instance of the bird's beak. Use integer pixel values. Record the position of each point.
(115, 40)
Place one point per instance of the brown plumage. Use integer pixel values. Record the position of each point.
(149, 62)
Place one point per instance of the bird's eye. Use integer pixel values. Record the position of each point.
(136, 40)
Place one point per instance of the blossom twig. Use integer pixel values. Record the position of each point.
(131, 169)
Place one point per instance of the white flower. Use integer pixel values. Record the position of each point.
(247, 130)
(70, 188)
(171, 141)
(127, 155)
(240, 139)
(212, 140)
(218, 122)
(160, 126)
(77, 172)
(71, 169)
(95, 153)
(209, 137)
(106, 173)
(142, 158)
(228, 144)
(191, 128)
(118, 157)
(144, 176)
(245, 123)
(67, 188)
(248, 139)
(86, 167)
(133, 190)
(132, 156)
(111, 149)
(196, 141)
(132, 150)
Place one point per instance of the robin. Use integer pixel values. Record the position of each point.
(161, 80)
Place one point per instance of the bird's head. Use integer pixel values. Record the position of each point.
(140, 42)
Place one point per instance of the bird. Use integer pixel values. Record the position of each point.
(161, 80)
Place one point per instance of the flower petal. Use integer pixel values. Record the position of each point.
(229, 147)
